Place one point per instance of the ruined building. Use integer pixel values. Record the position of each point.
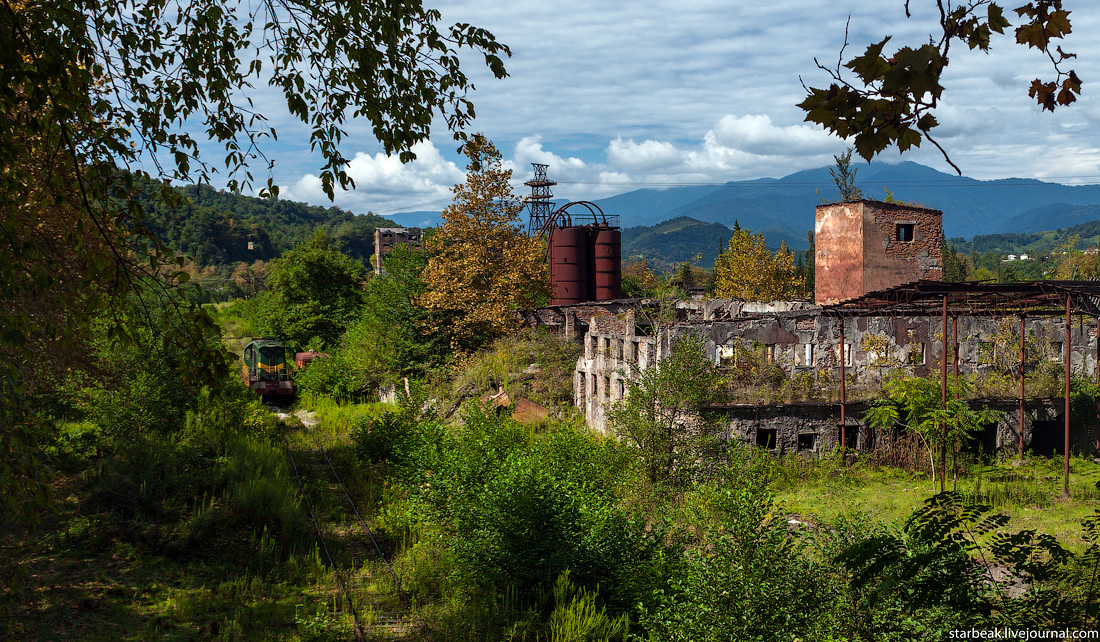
(788, 354)
(865, 246)
(387, 238)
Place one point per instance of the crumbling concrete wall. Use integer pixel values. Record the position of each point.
(798, 340)
(811, 429)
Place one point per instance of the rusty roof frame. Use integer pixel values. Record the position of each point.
(973, 298)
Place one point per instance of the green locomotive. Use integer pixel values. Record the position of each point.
(265, 368)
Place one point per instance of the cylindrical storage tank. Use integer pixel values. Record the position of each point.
(568, 265)
(609, 271)
(590, 259)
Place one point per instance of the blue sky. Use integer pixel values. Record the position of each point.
(621, 95)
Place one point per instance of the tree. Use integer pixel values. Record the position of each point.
(894, 94)
(954, 264)
(93, 90)
(747, 270)
(638, 279)
(1072, 263)
(314, 294)
(917, 404)
(663, 411)
(391, 338)
(844, 177)
(483, 269)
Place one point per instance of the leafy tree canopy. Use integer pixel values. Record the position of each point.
(314, 294)
(662, 412)
(483, 268)
(747, 270)
(891, 99)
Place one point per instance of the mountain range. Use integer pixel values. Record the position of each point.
(783, 209)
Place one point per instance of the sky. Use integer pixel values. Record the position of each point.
(617, 96)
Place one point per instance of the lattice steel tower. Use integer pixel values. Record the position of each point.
(539, 200)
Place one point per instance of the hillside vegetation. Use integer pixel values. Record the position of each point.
(215, 227)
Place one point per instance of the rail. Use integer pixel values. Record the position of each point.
(366, 529)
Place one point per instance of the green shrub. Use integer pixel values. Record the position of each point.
(746, 578)
(333, 377)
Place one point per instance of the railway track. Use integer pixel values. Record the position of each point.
(370, 609)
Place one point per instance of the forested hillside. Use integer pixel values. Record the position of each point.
(1034, 244)
(215, 227)
(674, 242)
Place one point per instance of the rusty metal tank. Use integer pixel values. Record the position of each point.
(569, 265)
(607, 251)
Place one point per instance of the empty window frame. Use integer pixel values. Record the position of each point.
(915, 356)
(904, 232)
(766, 438)
(807, 441)
(806, 355)
(1058, 348)
(847, 353)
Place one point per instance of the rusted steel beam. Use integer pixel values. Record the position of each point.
(943, 393)
(1065, 471)
(843, 390)
(1023, 335)
(955, 351)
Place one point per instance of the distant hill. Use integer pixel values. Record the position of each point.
(215, 227)
(676, 241)
(1036, 244)
(679, 240)
(1055, 215)
(783, 208)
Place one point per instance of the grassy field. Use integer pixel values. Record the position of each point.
(1030, 494)
(101, 575)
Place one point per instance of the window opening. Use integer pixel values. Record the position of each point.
(905, 232)
(765, 438)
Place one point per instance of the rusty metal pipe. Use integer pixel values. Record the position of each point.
(943, 400)
(1023, 348)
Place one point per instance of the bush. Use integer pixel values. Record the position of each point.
(743, 574)
(333, 377)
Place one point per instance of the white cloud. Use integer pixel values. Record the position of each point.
(757, 135)
(384, 182)
(645, 156)
(616, 95)
(530, 150)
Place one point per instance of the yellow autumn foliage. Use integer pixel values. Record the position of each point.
(747, 270)
(483, 268)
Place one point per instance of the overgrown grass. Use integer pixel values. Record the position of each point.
(537, 366)
(235, 319)
(823, 490)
